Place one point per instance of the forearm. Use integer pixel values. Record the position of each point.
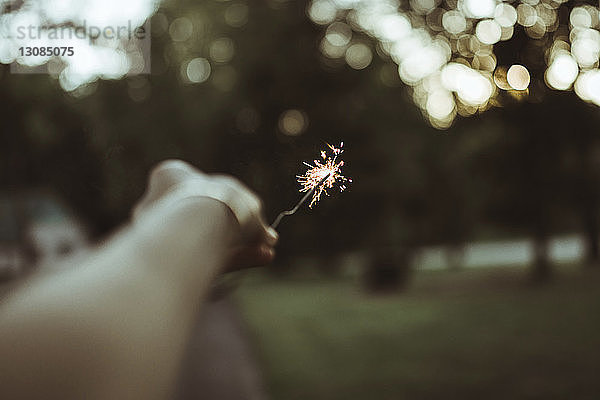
(117, 325)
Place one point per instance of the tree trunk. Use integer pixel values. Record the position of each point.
(592, 237)
(455, 256)
(542, 269)
(388, 270)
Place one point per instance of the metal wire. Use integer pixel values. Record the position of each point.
(308, 194)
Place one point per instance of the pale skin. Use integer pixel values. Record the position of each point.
(115, 325)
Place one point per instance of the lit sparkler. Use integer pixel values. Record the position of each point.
(324, 174)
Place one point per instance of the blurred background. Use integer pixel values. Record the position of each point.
(462, 262)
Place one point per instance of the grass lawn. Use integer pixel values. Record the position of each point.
(463, 335)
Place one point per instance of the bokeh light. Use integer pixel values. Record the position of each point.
(562, 72)
(587, 86)
(181, 29)
(454, 22)
(222, 50)
(452, 42)
(338, 34)
(293, 122)
(526, 15)
(505, 15)
(424, 6)
(322, 12)
(500, 78)
(580, 18)
(236, 15)
(440, 104)
(422, 37)
(359, 56)
(488, 31)
(585, 46)
(443, 50)
(518, 77)
(197, 70)
(478, 8)
(103, 58)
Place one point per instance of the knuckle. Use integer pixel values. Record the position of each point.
(170, 164)
(229, 180)
(164, 168)
(257, 203)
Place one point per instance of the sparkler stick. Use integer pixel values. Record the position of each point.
(308, 194)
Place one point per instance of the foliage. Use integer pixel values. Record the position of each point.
(528, 167)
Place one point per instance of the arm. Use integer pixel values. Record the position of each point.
(116, 326)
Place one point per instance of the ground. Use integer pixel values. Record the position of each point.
(478, 334)
(474, 334)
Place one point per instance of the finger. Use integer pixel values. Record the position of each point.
(171, 172)
(251, 200)
(163, 177)
(264, 235)
(249, 257)
(254, 226)
(271, 236)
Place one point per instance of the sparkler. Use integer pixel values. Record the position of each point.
(323, 175)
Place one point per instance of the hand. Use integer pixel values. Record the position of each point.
(174, 181)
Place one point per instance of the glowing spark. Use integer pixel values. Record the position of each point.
(324, 174)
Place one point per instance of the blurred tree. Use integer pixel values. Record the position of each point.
(454, 56)
(220, 96)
